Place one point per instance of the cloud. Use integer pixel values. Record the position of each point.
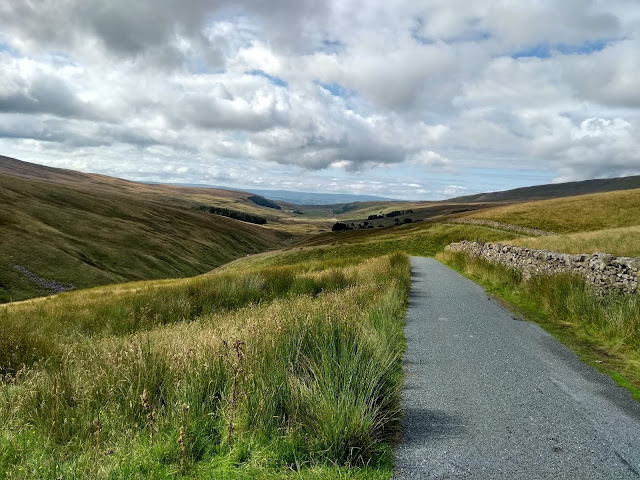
(430, 159)
(400, 92)
(596, 147)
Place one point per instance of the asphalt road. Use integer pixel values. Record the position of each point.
(489, 396)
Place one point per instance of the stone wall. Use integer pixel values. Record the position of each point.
(605, 273)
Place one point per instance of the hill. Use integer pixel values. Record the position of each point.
(62, 229)
(580, 213)
(555, 190)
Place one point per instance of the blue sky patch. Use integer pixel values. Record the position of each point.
(273, 79)
(335, 89)
(331, 46)
(545, 50)
(5, 47)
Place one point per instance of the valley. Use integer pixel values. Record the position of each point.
(193, 345)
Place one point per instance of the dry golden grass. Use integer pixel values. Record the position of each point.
(624, 242)
(572, 214)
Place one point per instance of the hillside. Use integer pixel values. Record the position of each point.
(555, 190)
(82, 230)
(571, 214)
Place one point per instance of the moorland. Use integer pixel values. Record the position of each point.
(192, 344)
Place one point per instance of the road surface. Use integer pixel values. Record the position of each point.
(489, 396)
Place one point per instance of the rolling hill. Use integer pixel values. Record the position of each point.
(62, 229)
(555, 190)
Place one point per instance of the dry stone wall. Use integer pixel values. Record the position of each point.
(605, 273)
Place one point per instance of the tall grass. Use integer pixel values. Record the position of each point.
(34, 330)
(602, 328)
(297, 373)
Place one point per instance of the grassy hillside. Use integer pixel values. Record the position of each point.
(358, 213)
(571, 214)
(556, 190)
(277, 372)
(86, 230)
(616, 241)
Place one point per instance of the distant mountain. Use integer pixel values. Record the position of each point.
(300, 198)
(555, 190)
(308, 198)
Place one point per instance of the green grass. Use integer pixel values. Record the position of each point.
(284, 364)
(604, 331)
(341, 248)
(281, 372)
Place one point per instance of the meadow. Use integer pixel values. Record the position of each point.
(582, 213)
(274, 372)
(282, 364)
(622, 241)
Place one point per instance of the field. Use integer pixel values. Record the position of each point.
(245, 373)
(572, 214)
(622, 241)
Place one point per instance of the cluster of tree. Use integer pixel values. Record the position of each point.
(235, 214)
(339, 226)
(264, 202)
(463, 210)
(395, 213)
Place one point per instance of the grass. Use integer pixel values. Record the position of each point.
(84, 237)
(290, 371)
(621, 241)
(605, 332)
(572, 214)
(421, 238)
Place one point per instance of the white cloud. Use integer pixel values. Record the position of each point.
(396, 90)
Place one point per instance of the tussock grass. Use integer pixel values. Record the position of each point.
(28, 328)
(282, 371)
(604, 329)
(616, 241)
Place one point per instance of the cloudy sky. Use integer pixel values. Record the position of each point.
(423, 99)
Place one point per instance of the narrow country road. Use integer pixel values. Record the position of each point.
(491, 397)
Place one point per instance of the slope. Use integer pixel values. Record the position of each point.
(85, 230)
(556, 190)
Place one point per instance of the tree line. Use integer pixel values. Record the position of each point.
(235, 214)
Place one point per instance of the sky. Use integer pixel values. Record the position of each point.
(408, 99)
